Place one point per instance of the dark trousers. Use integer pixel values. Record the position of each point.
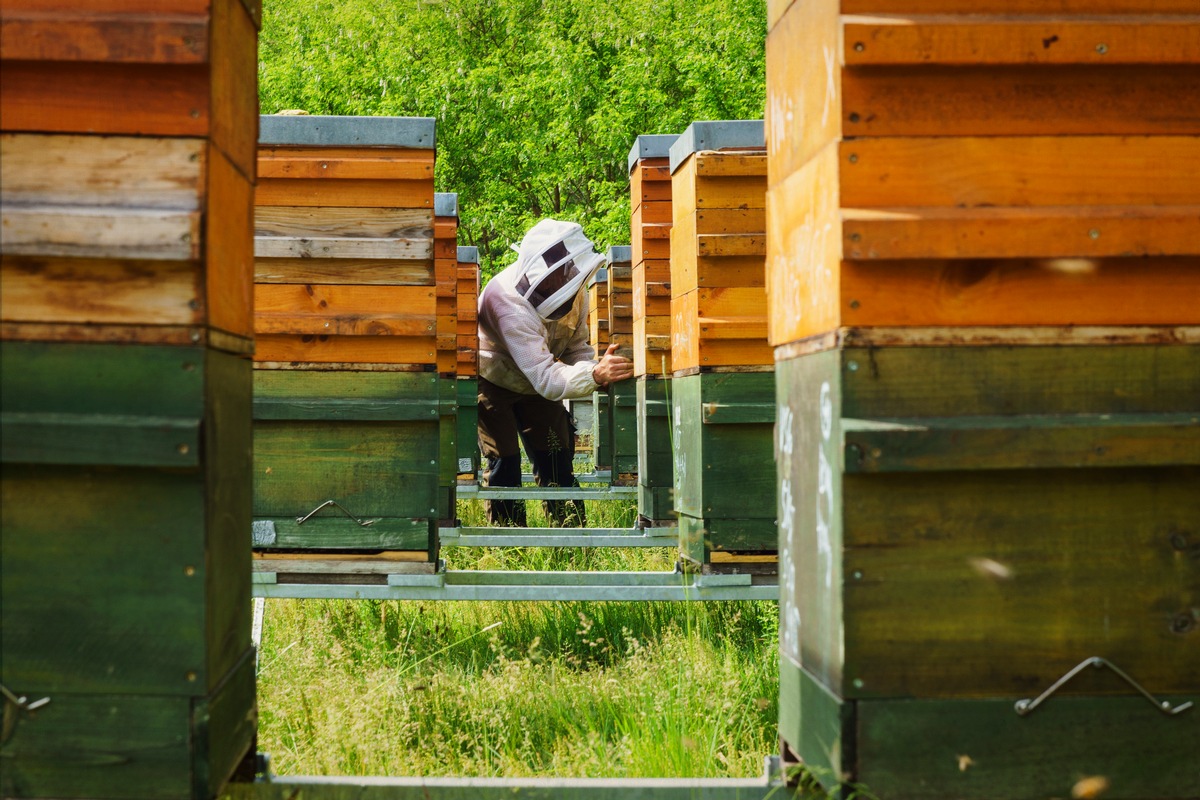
(508, 420)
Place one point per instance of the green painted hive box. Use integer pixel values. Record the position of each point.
(468, 426)
(623, 428)
(960, 529)
(655, 475)
(125, 593)
(724, 474)
(602, 430)
(349, 460)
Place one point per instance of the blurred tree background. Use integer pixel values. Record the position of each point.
(537, 102)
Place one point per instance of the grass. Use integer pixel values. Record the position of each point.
(521, 689)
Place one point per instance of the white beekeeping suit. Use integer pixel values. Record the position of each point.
(533, 334)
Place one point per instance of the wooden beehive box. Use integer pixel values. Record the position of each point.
(599, 337)
(722, 392)
(445, 268)
(468, 361)
(650, 183)
(982, 252)
(622, 396)
(345, 244)
(126, 182)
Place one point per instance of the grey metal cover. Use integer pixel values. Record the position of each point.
(445, 204)
(620, 254)
(715, 136)
(654, 145)
(319, 131)
(599, 276)
(468, 255)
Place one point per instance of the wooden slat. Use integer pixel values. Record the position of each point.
(1001, 101)
(87, 291)
(129, 171)
(1010, 39)
(97, 37)
(358, 247)
(100, 439)
(1020, 171)
(351, 271)
(732, 244)
(1107, 292)
(279, 163)
(1080, 231)
(97, 232)
(309, 349)
(734, 164)
(229, 258)
(233, 94)
(404, 223)
(409, 310)
(347, 193)
(78, 97)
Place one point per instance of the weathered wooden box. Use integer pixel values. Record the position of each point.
(445, 262)
(656, 478)
(354, 425)
(598, 333)
(468, 361)
(650, 183)
(622, 396)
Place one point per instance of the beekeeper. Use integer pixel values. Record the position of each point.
(533, 354)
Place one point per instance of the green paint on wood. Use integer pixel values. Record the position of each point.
(817, 726)
(334, 530)
(372, 468)
(224, 726)
(981, 749)
(381, 396)
(468, 424)
(983, 381)
(602, 430)
(1021, 442)
(49, 438)
(622, 405)
(699, 538)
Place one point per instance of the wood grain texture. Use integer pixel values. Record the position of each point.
(344, 164)
(348, 271)
(1010, 39)
(99, 232)
(369, 223)
(27, 35)
(233, 93)
(303, 349)
(1047, 232)
(229, 262)
(371, 193)
(89, 291)
(1101, 292)
(969, 100)
(358, 247)
(78, 97)
(345, 310)
(1019, 171)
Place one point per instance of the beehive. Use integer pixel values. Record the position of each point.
(622, 396)
(649, 184)
(599, 337)
(982, 271)
(126, 182)
(445, 268)
(345, 244)
(468, 361)
(722, 393)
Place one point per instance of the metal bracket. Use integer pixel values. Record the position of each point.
(13, 706)
(340, 507)
(1026, 706)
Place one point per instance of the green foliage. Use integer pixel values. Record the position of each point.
(537, 102)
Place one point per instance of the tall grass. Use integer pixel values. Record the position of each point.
(520, 689)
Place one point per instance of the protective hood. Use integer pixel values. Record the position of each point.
(554, 262)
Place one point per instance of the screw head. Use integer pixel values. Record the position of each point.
(857, 574)
(854, 304)
(1101, 48)
(1094, 233)
(856, 237)
(858, 684)
(859, 47)
(183, 449)
(853, 158)
(189, 570)
(854, 118)
(852, 366)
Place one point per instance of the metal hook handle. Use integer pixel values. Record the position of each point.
(1025, 706)
(13, 706)
(326, 504)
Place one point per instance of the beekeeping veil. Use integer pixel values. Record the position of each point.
(554, 261)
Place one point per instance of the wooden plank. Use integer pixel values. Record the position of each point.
(322, 192)
(1019, 171)
(1099, 292)
(333, 302)
(323, 533)
(751, 221)
(372, 469)
(106, 746)
(379, 223)
(1134, 748)
(310, 349)
(347, 271)
(104, 98)
(655, 213)
(233, 93)
(816, 725)
(730, 164)
(804, 93)
(732, 244)
(981, 336)
(48, 438)
(1021, 442)
(967, 100)
(952, 381)
(341, 247)
(89, 291)
(1010, 39)
(27, 35)
(373, 164)
(224, 725)
(378, 396)
(283, 152)
(98, 232)
(128, 171)
(229, 270)
(803, 251)
(1045, 232)
(344, 324)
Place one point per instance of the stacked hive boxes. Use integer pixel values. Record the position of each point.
(622, 396)
(598, 323)
(347, 394)
(723, 387)
(983, 285)
(127, 172)
(468, 361)
(445, 267)
(650, 199)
